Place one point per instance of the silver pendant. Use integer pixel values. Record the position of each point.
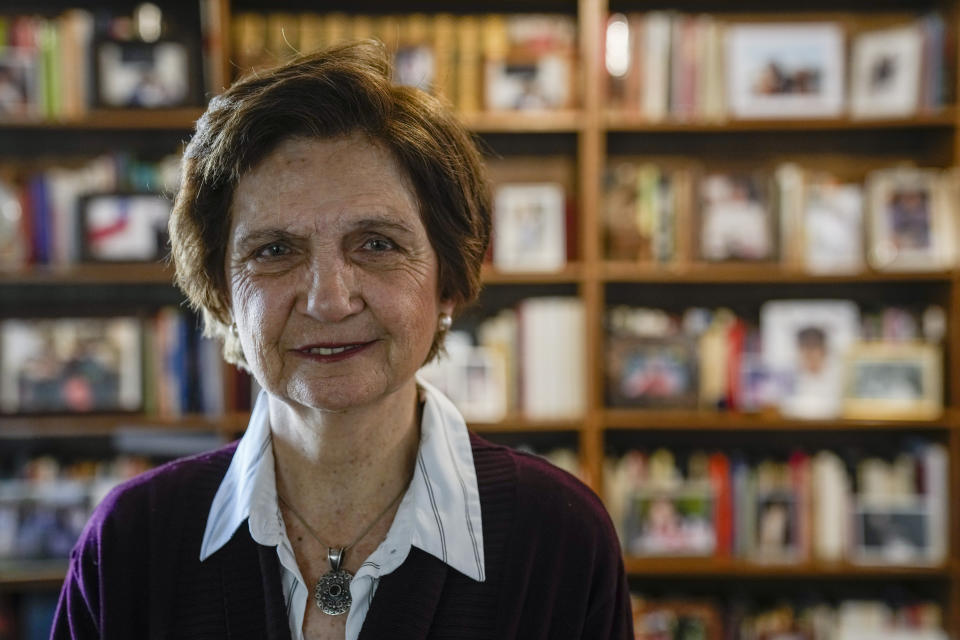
(333, 588)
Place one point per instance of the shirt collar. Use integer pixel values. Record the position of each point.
(442, 502)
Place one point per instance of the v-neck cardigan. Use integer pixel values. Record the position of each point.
(553, 565)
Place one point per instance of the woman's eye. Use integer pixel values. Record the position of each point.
(274, 250)
(379, 244)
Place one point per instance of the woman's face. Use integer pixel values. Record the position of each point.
(333, 281)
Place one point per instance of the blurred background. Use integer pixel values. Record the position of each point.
(722, 288)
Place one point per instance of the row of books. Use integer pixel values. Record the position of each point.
(704, 68)
(866, 510)
(700, 619)
(108, 208)
(58, 68)
(676, 212)
(492, 62)
(528, 360)
(158, 365)
(808, 359)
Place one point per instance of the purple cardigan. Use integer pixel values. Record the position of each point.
(553, 565)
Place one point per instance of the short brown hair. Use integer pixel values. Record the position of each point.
(330, 93)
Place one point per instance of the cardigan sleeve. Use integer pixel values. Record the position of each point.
(77, 614)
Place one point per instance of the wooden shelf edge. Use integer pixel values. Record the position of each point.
(547, 121)
(54, 426)
(701, 567)
(123, 119)
(694, 420)
(39, 574)
(631, 122)
(754, 273)
(522, 425)
(100, 273)
(571, 273)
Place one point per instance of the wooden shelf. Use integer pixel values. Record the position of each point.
(694, 420)
(23, 426)
(521, 424)
(571, 273)
(132, 119)
(629, 122)
(568, 121)
(103, 273)
(735, 568)
(752, 273)
(39, 574)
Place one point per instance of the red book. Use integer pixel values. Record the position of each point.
(719, 473)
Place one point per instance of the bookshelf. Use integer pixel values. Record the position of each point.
(591, 134)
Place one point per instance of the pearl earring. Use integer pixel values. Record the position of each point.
(445, 322)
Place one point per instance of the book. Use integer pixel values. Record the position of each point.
(552, 358)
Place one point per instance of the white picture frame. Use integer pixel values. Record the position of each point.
(529, 227)
(885, 73)
(785, 70)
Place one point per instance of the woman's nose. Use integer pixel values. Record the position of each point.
(331, 293)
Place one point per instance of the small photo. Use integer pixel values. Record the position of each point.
(118, 227)
(805, 343)
(892, 534)
(778, 70)
(776, 535)
(886, 73)
(670, 523)
(414, 66)
(147, 75)
(736, 220)
(833, 227)
(17, 72)
(70, 365)
(894, 381)
(910, 227)
(651, 372)
(529, 227)
(528, 83)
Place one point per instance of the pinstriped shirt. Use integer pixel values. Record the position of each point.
(439, 513)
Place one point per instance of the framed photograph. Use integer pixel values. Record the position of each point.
(123, 227)
(17, 83)
(70, 365)
(41, 522)
(670, 523)
(778, 70)
(473, 377)
(832, 227)
(529, 227)
(885, 73)
(150, 75)
(676, 618)
(805, 344)
(651, 372)
(524, 83)
(736, 218)
(909, 224)
(898, 534)
(414, 66)
(776, 538)
(894, 381)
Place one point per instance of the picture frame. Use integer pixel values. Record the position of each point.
(676, 618)
(123, 227)
(894, 381)
(776, 534)
(885, 72)
(473, 377)
(18, 76)
(781, 70)
(652, 372)
(805, 345)
(736, 221)
(529, 222)
(132, 74)
(71, 365)
(899, 533)
(909, 223)
(833, 220)
(676, 522)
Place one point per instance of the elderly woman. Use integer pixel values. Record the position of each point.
(328, 227)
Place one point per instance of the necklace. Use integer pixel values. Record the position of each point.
(332, 592)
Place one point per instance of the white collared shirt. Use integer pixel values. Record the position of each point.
(439, 513)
